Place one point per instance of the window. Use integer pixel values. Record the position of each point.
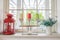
(20, 9)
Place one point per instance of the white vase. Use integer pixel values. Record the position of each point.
(49, 30)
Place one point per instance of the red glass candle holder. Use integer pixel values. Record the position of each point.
(8, 27)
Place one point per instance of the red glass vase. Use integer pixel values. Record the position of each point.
(29, 16)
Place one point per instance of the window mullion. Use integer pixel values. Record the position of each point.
(53, 13)
(47, 6)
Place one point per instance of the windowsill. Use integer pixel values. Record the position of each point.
(32, 36)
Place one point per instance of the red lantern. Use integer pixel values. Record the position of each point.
(29, 16)
(8, 27)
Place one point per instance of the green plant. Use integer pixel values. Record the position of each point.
(49, 22)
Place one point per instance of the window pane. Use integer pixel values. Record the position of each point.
(19, 4)
(12, 4)
(41, 4)
(44, 14)
(44, 4)
(29, 4)
(18, 19)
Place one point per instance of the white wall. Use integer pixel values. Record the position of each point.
(58, 14)
(1, 15)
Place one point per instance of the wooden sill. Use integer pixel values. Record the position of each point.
(17, 35)
(29, 25)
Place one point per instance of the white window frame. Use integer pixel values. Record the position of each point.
(53, 9)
